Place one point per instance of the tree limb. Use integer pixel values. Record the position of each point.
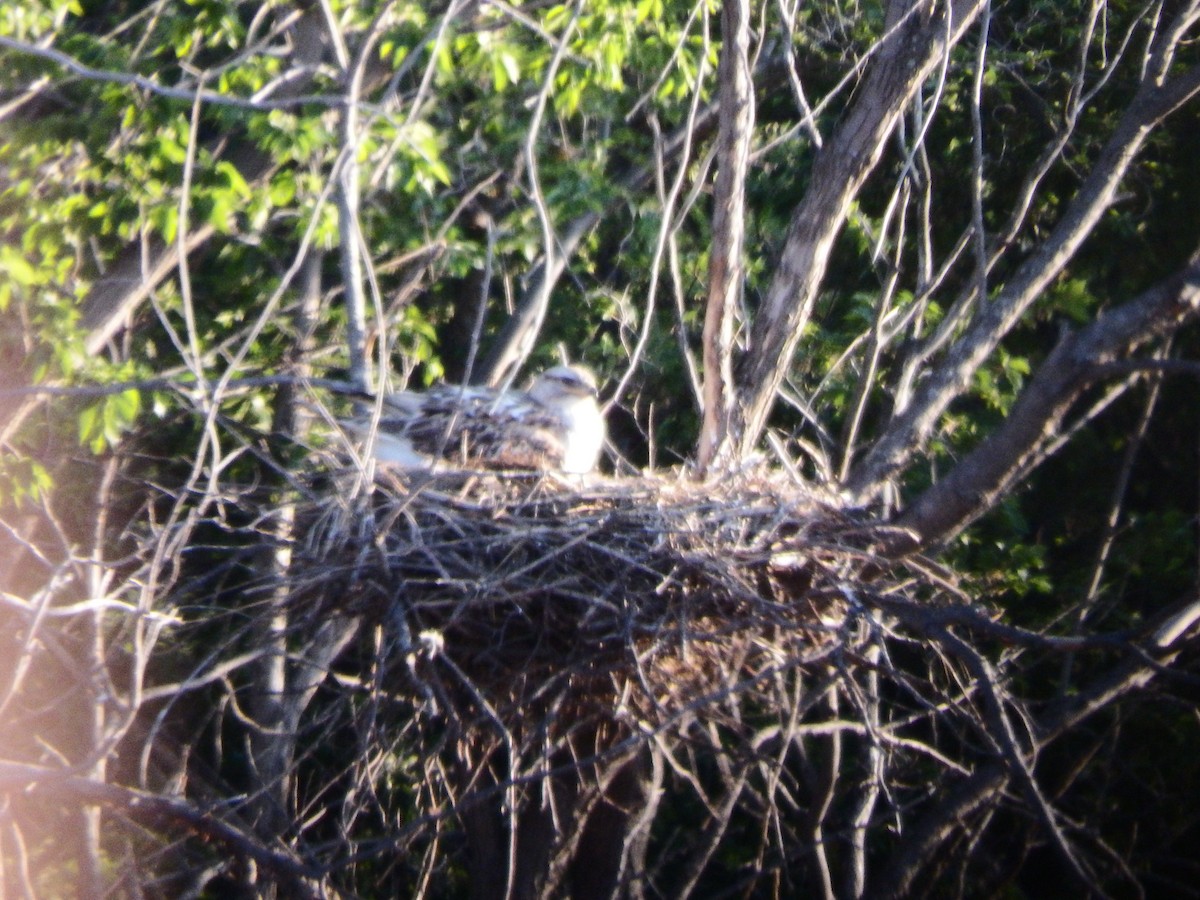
(504, 355)
(979, 481)
(725, 268)
(925, 837)
(912, 427)
(151, 808)
(917, 38)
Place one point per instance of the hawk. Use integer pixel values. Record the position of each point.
(554, 425)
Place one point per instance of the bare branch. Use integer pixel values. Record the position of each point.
(672, 217)
(909, 431)
(155, 809)
(352, 246)
(188, 93)
(918, 37)
(979, 480)
(506, 360)
(546, 273)
(726, 269)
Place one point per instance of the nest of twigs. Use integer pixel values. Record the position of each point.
(630, 601)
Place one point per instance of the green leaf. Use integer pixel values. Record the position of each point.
(283, 190)
(16, 267)
(126, 406)
(235, 179)
(221, 213)
(648, 9)
(171, 149)
(439, 170)
(511, 67)
(89, 423)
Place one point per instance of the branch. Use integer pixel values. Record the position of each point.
(917, 39)
(672, 218)
(951, 326)
(152, 809)
(1123, 367)
(977, 483)
(348, 194)
(181, 385)
(726, 269)
(911, 429)
(504, 355)
(926, 837)
(1000, 729)
(517, 342)
(189, 94)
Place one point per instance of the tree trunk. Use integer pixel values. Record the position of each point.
(725, 270)
(918, 36)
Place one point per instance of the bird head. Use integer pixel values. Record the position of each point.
(563, 383)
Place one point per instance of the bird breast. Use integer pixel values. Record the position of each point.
(583, 435)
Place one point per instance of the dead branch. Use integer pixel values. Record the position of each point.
(976, 483)
(726, 269)
(917, 37)
(1157, 98)
(156, 810)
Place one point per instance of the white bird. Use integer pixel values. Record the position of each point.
(555, 425)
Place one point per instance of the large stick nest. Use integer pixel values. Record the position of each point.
(639, 599)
